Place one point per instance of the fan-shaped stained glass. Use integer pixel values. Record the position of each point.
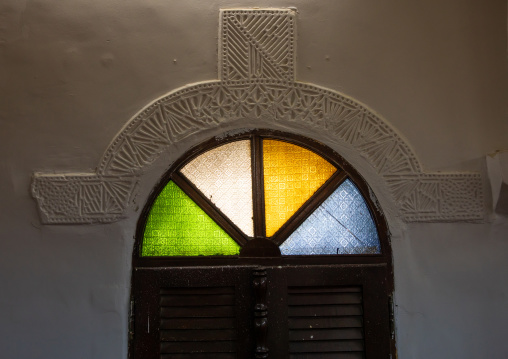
(177, 226)
(341, 225)
(292, 174)
(224, 176)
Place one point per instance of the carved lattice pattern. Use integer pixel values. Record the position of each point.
(257, 44)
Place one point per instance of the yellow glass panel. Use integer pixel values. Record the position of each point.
(292, 174)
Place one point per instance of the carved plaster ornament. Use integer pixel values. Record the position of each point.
(256, 81)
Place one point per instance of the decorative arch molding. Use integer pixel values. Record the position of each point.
(261, 89)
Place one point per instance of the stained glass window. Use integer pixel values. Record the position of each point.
(291, 176)
(341, 225)
(224, 176)
(207, 206)
(176, 226)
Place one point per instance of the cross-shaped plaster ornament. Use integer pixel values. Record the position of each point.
(256, 84)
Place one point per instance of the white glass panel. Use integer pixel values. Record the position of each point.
(341, 225)
(224, 176)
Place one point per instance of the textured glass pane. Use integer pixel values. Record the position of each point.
(224, 176)
(177, 226)
(291, 176)
(341, 225)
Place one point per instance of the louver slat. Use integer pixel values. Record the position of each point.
(340, 322)
(197, 335)
(194, 347)
(203, 312)
(325, 311)
(197, 323)
(343, 355)
(326, 334)
(325, 322)
(200, 356)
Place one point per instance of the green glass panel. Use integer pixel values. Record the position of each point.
(177, 226)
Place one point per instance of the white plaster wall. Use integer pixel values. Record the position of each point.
(73, 73)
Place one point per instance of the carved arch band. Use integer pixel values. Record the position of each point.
(105, 195)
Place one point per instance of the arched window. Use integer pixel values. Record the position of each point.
(261, 243)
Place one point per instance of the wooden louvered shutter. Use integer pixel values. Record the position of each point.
(315, 311)
(198, 319)
(336, 311)
(186, 313)
(325, 322)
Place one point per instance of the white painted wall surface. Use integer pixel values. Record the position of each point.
(73, 73)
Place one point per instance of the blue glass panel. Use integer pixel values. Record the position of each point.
(341, 225)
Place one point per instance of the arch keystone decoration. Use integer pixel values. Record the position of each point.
(256, 71)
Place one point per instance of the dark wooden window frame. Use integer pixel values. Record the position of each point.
(259, 243)
(260, 252)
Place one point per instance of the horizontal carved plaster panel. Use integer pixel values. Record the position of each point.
(419, 196)
(438, 197)
(82, 198)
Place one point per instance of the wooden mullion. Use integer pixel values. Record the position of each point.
(209, 208)
(309, 206)
(258, 194)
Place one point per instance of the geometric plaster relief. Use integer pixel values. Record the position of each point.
(257, 44)
(256, 67)
(81, 198)
(203, 106)
(438, 197)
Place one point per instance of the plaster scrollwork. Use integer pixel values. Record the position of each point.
(261, 88)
